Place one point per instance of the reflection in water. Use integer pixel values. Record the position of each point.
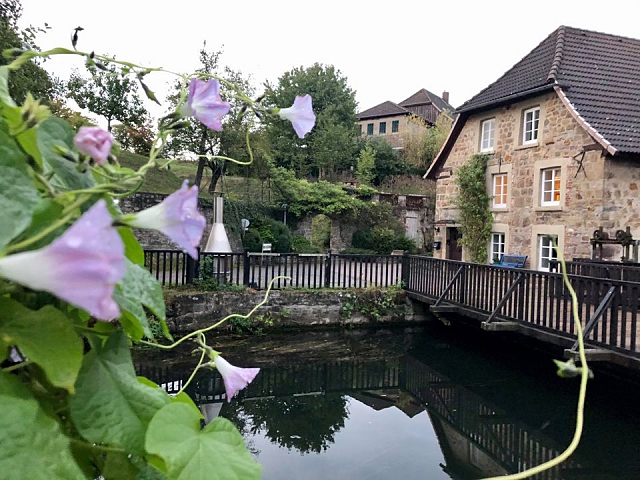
(305, 423)
(385, 410)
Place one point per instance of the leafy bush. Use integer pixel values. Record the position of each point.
(381, 240)
(358, 251)
(300, 244)
(282, 243)
(272, 231)
(404, 243)
(362, 239)
(252, 241)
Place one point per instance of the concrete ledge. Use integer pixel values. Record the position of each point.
(500, 326)
(592, 354)
(444, 309)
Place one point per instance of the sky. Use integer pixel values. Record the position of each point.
(386, 50)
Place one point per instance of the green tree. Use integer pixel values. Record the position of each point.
(474, 214)
(75, 118)
(388, 162)
(196, 140)
(366, 165)
(328, 148)
(110, 94)
(135, 138)
(31, 77)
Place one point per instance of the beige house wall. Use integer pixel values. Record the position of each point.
(396, 140)
(589, 197)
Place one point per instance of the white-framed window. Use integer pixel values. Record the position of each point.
(546, 252)
(487, 134)
(500, 189)
(550, 185)
(530, 124)
(497, 247)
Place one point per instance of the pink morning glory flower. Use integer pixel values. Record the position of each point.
(235, 378)
(95, 142)
(82, 266)
(300, 114)
(204, 103)
(177, 216)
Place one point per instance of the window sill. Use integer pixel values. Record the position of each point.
(527, 145)
(548, 208)
(498, 209)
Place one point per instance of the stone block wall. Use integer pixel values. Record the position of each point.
(596, 190)
(284, 309)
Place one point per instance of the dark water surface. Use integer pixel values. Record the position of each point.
(433, 403)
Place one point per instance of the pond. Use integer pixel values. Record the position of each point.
(428, 403)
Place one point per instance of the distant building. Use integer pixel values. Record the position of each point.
(391, 120)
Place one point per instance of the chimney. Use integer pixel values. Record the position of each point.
(445, 96)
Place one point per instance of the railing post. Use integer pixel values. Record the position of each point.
(405, 270)
(192, 267)
(245, 269)
(327, 269)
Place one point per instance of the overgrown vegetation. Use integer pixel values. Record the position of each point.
(422, 144)
(472, 200)
(373, 303)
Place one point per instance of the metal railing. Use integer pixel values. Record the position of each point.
(256, 270)
(540, 299)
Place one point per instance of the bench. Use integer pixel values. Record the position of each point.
(512, 261)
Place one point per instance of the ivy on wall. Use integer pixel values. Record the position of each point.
(475, 217)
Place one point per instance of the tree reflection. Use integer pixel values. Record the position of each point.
(305, 423)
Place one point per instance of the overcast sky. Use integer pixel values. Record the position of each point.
(387, 50)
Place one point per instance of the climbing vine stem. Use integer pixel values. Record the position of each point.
(472, 201)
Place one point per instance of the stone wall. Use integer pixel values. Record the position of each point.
(284, 309)
(416, 212)
(597, 191)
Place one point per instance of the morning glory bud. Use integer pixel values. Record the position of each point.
(81, 267)
(95, 142)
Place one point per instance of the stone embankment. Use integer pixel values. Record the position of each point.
(292, 309)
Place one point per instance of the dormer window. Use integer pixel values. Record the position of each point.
(487, 133)
(530, 125)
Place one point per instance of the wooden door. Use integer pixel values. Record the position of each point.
(454, 250)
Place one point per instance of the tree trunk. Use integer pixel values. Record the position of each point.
(216, 173)
(201, 160)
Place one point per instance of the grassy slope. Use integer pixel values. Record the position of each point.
(168, 181)
(157, 180)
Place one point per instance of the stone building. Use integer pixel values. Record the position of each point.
(562, 132)
(392, 120)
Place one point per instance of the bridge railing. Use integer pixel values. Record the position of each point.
(256, 270)
(608, 308)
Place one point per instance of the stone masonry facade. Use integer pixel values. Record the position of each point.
(596, 190)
